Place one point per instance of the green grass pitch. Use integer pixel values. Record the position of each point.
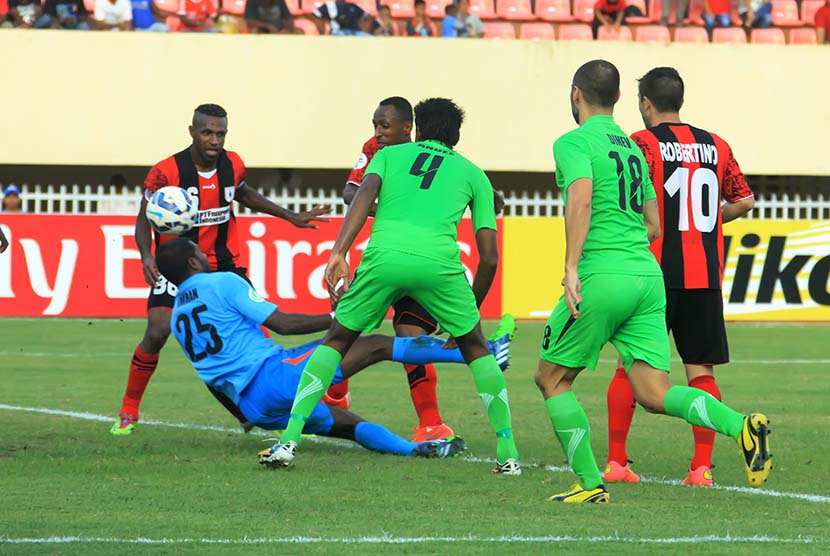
(202, 492)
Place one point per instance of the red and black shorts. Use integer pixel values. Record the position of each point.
(163, 293)
(407, 311)
(695, 318)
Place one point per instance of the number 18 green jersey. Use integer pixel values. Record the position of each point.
(425, 190)
(617, 241)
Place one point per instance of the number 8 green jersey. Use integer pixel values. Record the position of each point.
(617, 241)
(425, 190)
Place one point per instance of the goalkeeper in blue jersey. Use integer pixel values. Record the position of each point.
(216, 320)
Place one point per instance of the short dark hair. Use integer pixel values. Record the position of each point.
(420, 3)
(664, 88)
(402, 107)
(384, 7)
(171, 258)
(213, 110)
(439, 119)
(450, 9)
(599, 81)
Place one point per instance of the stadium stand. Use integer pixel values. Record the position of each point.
(306, 25)
(690, 35)
(485, 9)
(234, 7)
(369, 6)
(806, 35)
(514, 10)
(584, 10)
(785, 14)
(435, 8)
(610, 34)
(653, 34)
(729, 35)
(645, 19)
(406, 9)
(809, 9)
(499, 30)
(576, 32)
(537, 31)
(554, 10)
(293, 7)
(767, 36)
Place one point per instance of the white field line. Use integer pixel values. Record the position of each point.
(391, 539)
(125, 356)
(816, 498)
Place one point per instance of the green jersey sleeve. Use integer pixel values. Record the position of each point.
(648, 186)
(483, 211)
(377, 165)
(572, 156)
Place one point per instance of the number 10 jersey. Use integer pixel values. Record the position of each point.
(693, 172)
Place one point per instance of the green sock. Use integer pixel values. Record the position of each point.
(574, 433)
(316, 378)
(493, 391)
(704, 410)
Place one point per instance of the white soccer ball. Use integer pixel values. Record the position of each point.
(171, 211)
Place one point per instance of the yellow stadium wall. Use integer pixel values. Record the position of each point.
(125, 99)
(790, 260)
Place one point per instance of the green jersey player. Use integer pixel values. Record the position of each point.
(422, 190)
(614, 290)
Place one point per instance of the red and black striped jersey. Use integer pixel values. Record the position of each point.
(693, 172)
(369, 149)
(214, 193)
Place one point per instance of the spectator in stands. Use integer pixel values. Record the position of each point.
(716, 12)
(469, 24)
(113, 15)
(11, 199)
(756, 14)
(386, 25)
(145, 14)
(198, 16)
(681, 13)
(64, 14)
(269, 16)
(5, 22)
(420, 25)
(449, 27)
(344, 18)
(24, 13)
(822, 22)
(608, 14)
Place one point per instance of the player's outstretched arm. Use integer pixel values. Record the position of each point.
(256, 201)
(577, 223)
(144, 240)
(651, 217)
(487, 244)
(288, 324)
(733, 211)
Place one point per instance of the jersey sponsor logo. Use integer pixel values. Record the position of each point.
(209, 186)
(689, 152)
(230, 191)
(212, 217)
(254, 296)
(362, 161)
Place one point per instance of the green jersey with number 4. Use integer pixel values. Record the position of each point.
(617, 241)
(425, 190)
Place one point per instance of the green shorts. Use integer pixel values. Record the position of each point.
(385, 276)
(628, 311)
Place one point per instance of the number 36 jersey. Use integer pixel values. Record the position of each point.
(617, 241)
(693, 172)
(216, 320)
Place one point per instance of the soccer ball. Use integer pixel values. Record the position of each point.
(171, 211)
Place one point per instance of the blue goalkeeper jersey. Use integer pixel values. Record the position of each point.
(216, 320)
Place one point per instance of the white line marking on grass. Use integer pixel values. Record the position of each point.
(391, 539)
(817, 498)
(602, 360)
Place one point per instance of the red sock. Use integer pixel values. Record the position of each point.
(339, 391)
(620, 412)
(422, 383)
(704, 438)
(142, 368)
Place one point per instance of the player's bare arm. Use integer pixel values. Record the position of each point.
(577, 222)
(349, 193)
(498, 200)
(337, 268)
(288, 324)
(254, 200)
(144, 239)
(733, 211)
(651, 218)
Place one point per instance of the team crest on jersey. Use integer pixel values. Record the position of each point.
(254, 296)
(362, 161)
(229, 193)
